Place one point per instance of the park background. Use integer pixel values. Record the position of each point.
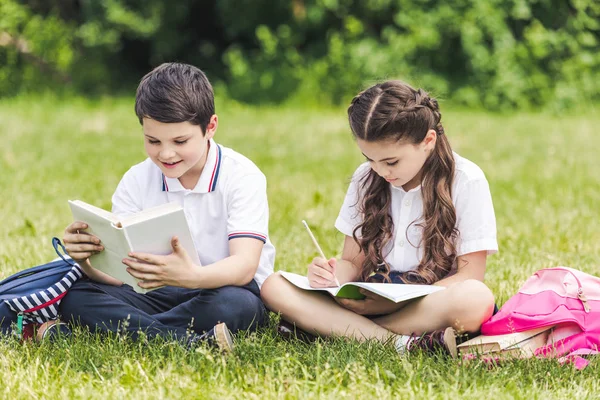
(519, 86)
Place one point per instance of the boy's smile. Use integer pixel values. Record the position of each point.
(171, 165)
(179, 149)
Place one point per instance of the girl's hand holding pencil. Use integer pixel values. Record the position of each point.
(321, 272)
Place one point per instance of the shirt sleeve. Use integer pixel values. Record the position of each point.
(248, 208)
(124, 200)
(476, 221)
(349, 216)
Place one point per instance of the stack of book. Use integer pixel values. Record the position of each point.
(515, 345)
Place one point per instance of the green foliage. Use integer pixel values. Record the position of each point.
(33, 48)
(497, 54)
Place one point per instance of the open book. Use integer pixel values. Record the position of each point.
(350, 290)
(520, 344)
(149, 231)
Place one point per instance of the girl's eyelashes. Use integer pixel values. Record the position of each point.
(181, 141)
(153, 141)
(388, 163)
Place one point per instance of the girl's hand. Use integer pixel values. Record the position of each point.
(321, 273)
(372, 304)
(175, 269)
(79, 244)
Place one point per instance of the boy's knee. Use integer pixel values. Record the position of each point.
(241, 309)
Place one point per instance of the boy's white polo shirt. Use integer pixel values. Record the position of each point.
(228, 202)
(472, 201)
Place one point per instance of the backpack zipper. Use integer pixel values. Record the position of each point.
(580, 295)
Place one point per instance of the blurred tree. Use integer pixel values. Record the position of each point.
(483, 53)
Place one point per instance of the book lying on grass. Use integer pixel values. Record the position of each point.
(149, 231)
(518, 344)
(351, 290)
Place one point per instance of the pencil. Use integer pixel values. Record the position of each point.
(314, 240)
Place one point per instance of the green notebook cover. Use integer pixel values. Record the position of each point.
(350, 292)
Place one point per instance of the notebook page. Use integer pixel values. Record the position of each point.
(154, 235)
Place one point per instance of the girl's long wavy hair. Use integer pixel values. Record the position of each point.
(395, 111)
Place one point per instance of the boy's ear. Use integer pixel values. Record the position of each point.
(211, 128)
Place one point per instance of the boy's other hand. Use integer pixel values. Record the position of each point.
(79, 244)
(153, 271)
(321, 273)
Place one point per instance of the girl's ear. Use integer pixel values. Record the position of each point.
(429, 140)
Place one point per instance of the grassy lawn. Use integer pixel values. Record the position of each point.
(543, 173)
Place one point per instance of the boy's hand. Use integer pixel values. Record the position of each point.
(175, 269)
(372, 304)
(79, 244)
(321, 273)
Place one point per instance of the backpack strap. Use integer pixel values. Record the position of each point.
(56, 243)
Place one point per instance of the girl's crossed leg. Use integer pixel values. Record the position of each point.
(463, 306)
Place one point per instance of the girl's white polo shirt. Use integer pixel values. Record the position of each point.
(229, 201)
(476, 222)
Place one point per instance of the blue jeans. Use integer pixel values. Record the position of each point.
(166, 312)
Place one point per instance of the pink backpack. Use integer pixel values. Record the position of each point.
(562, 297)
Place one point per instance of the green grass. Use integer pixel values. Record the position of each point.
(542, 171)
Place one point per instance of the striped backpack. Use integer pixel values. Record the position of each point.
(565, 299)
(33, 295)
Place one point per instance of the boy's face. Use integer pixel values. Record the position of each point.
(179, 149)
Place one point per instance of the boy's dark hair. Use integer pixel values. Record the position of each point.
(175, 92)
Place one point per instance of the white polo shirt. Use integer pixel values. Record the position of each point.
(229, 201)
(476, 222)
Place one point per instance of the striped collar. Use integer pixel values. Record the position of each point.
(208, 178)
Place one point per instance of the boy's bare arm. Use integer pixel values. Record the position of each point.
(238, 269)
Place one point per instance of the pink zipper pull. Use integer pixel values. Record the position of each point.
(583, 299)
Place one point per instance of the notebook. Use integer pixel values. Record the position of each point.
(149, 231)
(351, 290)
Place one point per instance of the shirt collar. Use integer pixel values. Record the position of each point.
(401, 189)
(208, 178)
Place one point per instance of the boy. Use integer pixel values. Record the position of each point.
(224, 198)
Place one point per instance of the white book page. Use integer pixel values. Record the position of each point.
(399, 292)
(101, 223)
(149, 213)
(154, 235)
(302, 282)
(78, 204)
(111, 263)
(391, 291)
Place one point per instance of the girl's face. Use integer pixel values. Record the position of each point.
(399, 162)
(178, 149)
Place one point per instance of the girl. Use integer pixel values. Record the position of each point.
(415, 212)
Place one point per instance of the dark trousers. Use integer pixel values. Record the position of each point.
(166, 312)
